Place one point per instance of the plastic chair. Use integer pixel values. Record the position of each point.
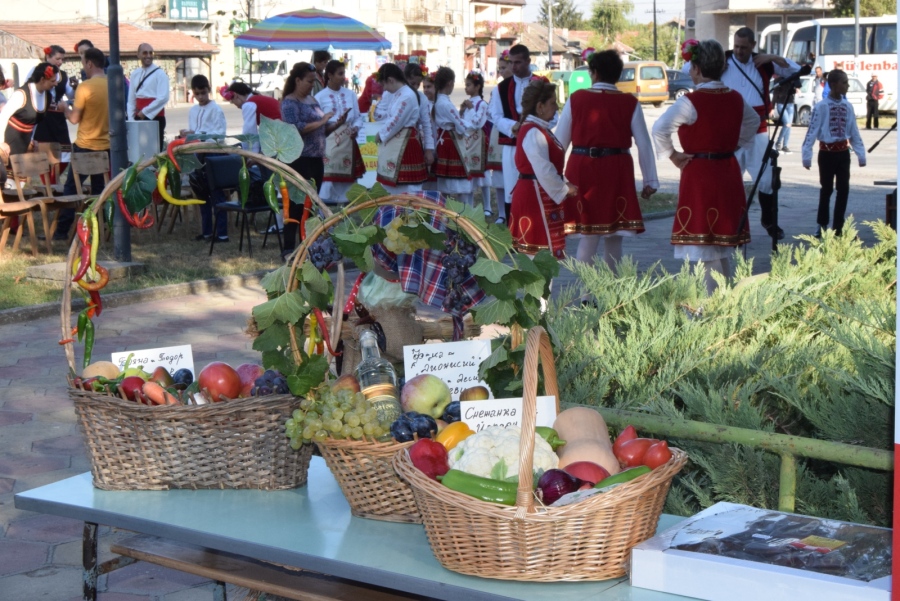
(222, 174)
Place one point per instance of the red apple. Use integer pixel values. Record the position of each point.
(347, 381)
(587, 471)
(221, 381)
(248, 373)
(131, 386)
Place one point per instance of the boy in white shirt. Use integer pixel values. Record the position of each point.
(833, 122)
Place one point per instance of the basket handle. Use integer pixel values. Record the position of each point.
(537, 346)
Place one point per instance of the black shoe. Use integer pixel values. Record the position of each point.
(787, 150)
(202, 238)
(819, 231)
(775, 232)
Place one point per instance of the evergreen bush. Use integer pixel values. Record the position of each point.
(807, 349)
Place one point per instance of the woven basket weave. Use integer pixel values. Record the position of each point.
(587, 540)
(364, 469)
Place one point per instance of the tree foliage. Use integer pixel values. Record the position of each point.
(807, 350)
(867, 8)
(565, 15)
(608, 17)
(667, 42)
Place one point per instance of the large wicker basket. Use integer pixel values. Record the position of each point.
(235, 444)
(587, 540)
(362, 468)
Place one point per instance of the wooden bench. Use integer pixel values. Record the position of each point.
(250, 573)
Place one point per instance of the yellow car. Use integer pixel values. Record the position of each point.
(646, 80)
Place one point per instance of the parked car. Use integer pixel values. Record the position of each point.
(646, 80)
(804, 99)
(679, 84)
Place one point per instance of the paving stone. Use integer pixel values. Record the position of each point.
(14, 417)
(205, 593)
(21, 556)
(21, 465)
(22, 372)
(70, 553)
(142, 578)
(45, 529)
(50, 584)
(63, 445)
(6, 485)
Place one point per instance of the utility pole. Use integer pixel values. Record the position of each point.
(118, 143)
(654, 9)
(677, 40)
(550, 32)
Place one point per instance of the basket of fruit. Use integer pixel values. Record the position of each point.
(353, 421)
(155, 431)
(487, 513)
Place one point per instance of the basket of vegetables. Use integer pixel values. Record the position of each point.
(487, 525)
(155, 431)
(357, 445)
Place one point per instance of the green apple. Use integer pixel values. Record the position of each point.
(426, 394)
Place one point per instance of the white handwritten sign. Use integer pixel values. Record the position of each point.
(456, 363)
(172, 358)
(479, 415)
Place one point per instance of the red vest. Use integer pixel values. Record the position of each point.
(266, 106)
(557, 153)
(602, 118)
(718, 125)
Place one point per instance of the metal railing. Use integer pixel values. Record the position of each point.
(787, 446)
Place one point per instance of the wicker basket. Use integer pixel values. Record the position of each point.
(587, 540)
(234, 444)
(364, 469)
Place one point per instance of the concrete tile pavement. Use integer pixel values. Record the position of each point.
(40, 442)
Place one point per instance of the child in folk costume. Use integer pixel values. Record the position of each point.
(343, 160)
(494, 160)
(537, 216)
(475, 110)
(456, 154)
(600, 123)
(428, 92)
(401, 161)
(712, 122)
(415, 74)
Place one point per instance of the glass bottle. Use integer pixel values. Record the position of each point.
(377, 379)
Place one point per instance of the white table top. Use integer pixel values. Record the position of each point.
(311, 528)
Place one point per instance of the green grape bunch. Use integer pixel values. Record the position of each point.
(340, 415)
(398, 243)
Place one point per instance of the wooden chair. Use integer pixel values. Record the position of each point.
(54, 151)
(89, 163)
(27, 170)
(35, 167)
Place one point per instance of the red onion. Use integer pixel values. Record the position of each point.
(555, 484)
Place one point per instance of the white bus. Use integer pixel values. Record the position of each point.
(828, 43)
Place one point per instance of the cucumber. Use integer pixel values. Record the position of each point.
(622, 477)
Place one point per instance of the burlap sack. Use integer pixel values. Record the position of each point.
(400, 329)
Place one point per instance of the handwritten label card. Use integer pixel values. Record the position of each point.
(479, 415)
(456, 363)
(172, 358)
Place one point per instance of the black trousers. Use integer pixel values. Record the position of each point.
(309, 168)
(871, 113)
(833, 167)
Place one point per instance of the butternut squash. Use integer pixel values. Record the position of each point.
(587, 439)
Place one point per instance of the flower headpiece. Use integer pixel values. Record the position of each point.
(49, 73)
(48, 51)
(689, 48)
(424, 69)
(226, 94)
(504, 56)
(75, 49)
(432, 76)
(587, 53)
(476, 77)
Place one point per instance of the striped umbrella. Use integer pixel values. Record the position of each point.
(311, 29)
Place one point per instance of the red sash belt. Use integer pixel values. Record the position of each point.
(142, 103)
(838, 146)
(17, 125)
(763, 124)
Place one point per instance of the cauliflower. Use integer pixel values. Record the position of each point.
(481, 454)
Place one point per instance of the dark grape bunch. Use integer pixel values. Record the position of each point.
(271, 382)
(323, 252)
(459, 255)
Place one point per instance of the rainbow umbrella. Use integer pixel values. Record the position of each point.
(311, 29)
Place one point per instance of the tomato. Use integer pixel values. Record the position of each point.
(221, 381)
(624, 436)
(658, 454)
(631, 453)
(587, 471)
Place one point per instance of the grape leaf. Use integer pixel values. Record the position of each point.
(434, 238)
(493, 271)
(531, 283)
(280, 140)
(499, 291)
(310, 374)
(316, 298)
(495, 311)
(357, 193)
(313, 278)
(188, 162)
(497, 357)
(289, 307)
(547, 264)
(275, 337)
(377, 191)
(312, 224)
(500, 238)
(469, 212)
(281, 360)
(141, 193)
(274, 281)
(263, 314)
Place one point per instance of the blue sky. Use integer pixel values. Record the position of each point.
(643, 9)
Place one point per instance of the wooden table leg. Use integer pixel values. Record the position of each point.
(89, 561)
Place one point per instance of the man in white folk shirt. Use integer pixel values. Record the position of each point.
(749, 74)
(148, 92)
(505, 117)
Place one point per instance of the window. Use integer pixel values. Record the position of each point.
(802, 45)
(627, 74)
(885, 39)
(855, 86)
(838, 39)
(652, 73)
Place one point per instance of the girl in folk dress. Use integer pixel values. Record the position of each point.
(600, 123)
(343, 161)
(712, 122)
(475, 110)
(401, 161)
(453, 179)
(536, 213)
(415, 75)
(428, 91)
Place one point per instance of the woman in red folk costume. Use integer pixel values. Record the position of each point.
(600, 123)
(537, 216)
(25, 109)
(401, 160)
(54, 127)
(712, 122)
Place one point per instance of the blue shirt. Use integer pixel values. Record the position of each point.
(301, 114)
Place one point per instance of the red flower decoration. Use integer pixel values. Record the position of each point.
(688, 48)
(587, 53)
(226, 94)
(49, 73)
(47, 51)
(424, 68)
